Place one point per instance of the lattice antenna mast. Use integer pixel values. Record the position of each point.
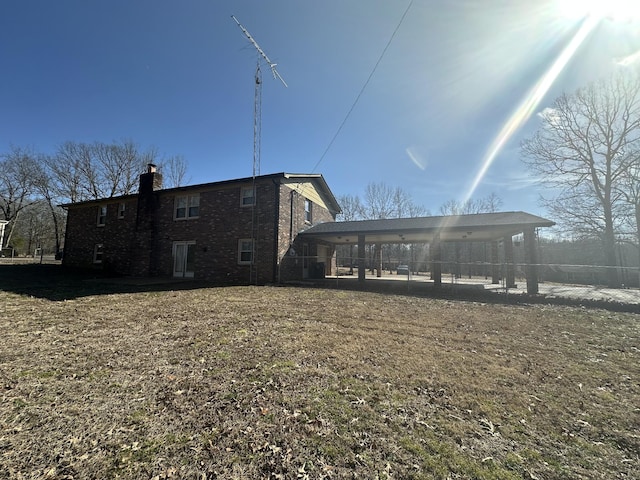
(257, 117)
(257, 138)
(261, 52)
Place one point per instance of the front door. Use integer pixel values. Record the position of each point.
(183, 259)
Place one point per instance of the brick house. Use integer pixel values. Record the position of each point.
(235, 231)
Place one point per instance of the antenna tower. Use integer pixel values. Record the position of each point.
(257, 136)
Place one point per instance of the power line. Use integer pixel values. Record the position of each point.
(363, 88)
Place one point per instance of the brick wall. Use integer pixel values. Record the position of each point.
(221, 223)
(83, 234)
(292, 221)
(142, 243)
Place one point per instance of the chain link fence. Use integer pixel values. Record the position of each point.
(593, 283)
(41, 257)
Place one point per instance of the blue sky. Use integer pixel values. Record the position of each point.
(179, 76)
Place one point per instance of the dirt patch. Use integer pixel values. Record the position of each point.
(260, 382)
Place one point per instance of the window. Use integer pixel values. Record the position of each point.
(187, 206)
(102, 215)
(121, 209)
(98, 251)
(307, 211)
(247, 197)
(245, 251)
(194, 206)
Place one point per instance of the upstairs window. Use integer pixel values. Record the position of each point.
(247, 197)
(102, 215)
(187, 206)
(245, 251)
(308, 211)
(194, 206)
(121, 209)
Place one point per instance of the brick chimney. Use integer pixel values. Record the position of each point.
(143, 260)
(150, 181)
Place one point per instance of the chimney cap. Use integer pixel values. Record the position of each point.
(151, 168)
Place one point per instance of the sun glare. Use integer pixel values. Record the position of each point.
(617, 10)
(588, 14)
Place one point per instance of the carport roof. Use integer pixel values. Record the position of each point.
(477, 227)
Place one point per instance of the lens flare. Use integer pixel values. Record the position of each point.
(617, 10)
(416, 158)
(532, 100)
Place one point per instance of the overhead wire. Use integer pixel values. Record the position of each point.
(355, 102)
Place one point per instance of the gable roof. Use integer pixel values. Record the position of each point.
(476, 227)
(321, 186)
(316, 178)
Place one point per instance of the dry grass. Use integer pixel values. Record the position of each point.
(260, 382)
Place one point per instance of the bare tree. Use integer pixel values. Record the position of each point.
(489, 204)
(579, 151)
(76, 172)
(378, 201)
(117, 167)
(630, 193)
(84, 171)
(351, 208)
(17, 170)
(174, 171)
(35, 230)
(66, 173)
(451, 207)
(49, 191)
(382, 201)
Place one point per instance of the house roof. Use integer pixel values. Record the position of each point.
(476, 227)
(321, 185)
(315, 178)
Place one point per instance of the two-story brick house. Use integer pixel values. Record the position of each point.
(235, 231)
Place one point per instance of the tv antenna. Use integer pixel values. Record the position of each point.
(257, 136)
(257, 108)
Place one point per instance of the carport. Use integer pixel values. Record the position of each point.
(482, 227)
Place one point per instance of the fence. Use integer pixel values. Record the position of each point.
(8, 256)
(576, 282)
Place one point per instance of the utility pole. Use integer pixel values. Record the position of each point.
(257, 137)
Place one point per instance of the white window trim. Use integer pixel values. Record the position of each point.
(98, 249)
(185, 273)
(243, 196)
(308, 213)
(122, 208)
(188, 205)
(240, 251)
(100, 217)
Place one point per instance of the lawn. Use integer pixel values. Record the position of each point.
(284, 383)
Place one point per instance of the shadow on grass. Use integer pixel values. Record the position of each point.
(472, 293)
(57, 283)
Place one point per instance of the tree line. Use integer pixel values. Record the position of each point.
(587, 153)
(381, 201)
(33, 185)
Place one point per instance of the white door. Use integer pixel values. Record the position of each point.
(183, 259)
